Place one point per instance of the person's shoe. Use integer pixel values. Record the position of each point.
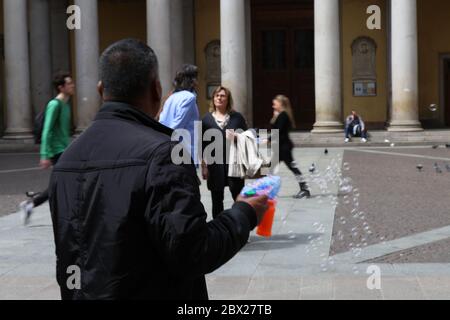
(363, 140)
(27, 209)
(303, 194)
(347, 140)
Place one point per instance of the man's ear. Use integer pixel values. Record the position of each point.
(100, 88)
(157, 91)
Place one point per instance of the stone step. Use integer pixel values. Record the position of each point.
(376, 138)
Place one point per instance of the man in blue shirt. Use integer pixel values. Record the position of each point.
(180, 111)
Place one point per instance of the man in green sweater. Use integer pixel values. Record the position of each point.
(55, 135)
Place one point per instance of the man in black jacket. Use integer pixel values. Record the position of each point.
(128, 223)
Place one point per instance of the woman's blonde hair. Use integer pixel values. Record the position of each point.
(286, 104)
(229, 96)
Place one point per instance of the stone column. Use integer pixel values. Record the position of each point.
(233, 51)
(327, 67)
(86, 60)
(18, 107)
(177, 35)
(248, 40)
(159, 39)
(405, 64)
(40, 54)
(182, 33)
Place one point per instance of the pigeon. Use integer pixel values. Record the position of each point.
(326, 151)
(31, 194)
(435, 147)
(419, 167)
(312, 168)
(436, 167)
(447, 166)
(447, 145)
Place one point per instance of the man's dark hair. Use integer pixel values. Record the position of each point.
(185, 78)
(59, 79)
(127, 69)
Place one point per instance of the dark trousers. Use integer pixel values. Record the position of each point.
(288, 159)
(43, 196)
(236, 185)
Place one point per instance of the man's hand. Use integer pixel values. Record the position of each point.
(258, 203)
(230, 135)
(205, 172)
(45, 164)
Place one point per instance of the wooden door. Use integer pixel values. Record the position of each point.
(283, 59)
(447, 91)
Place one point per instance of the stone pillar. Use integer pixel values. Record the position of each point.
(159, 39)
(40, 54)
(177, 36)
(327, 67)
(248, 40)
(233, 51)
(18, 107)
(405, 64)
(86, 60)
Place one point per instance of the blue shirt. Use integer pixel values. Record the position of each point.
(180, 111)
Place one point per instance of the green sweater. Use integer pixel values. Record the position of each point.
(56, 131)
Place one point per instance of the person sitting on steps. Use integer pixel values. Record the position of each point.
(355, 127)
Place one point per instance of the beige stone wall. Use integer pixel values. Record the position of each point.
(354, 18)
(121, 19)
(434, 40)
(207, 28)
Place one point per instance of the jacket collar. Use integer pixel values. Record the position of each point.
(124, 111)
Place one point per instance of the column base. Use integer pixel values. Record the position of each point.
(18, 134)
(405, 126)
(328, 127)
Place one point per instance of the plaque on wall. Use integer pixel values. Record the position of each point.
(213, 68)
(210, 90)
(364, 88)
(364, 67)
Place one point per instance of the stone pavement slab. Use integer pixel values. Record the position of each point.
(293, 264)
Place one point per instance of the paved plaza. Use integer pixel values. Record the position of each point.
(372, 212)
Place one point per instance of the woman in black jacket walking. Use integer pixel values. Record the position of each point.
(283, 120)
(221, 117)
